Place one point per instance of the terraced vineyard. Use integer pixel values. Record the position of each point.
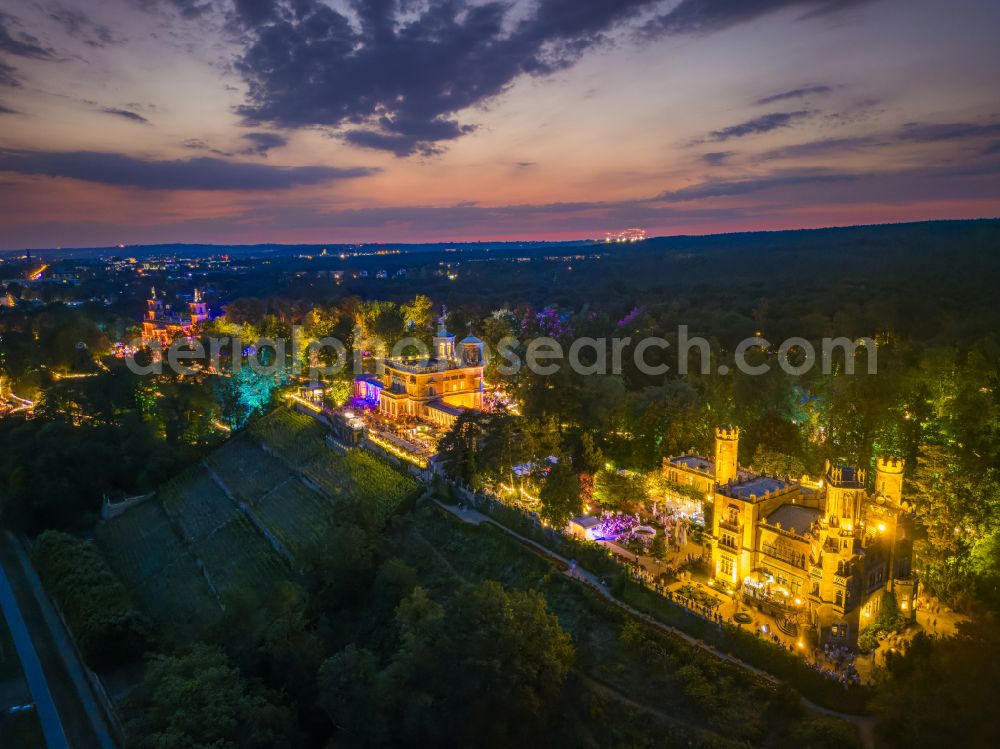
(159, 571)
(157, 546)
(237, 556)
(141, 541)
(297, 515)
(360, 477)
(246, 469)
(197, 504)
(297, 438)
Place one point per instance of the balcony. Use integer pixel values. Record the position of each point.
(788, 556)
(734, 527)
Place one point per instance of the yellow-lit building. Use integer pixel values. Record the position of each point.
(161, 325)
(435, 388)
(811, 554)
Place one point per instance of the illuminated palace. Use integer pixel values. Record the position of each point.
(818, 554)
(161, 325)
(435, 388)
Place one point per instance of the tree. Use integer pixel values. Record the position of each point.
(658, 548)
(417, 313)
(382, 321)
(342, 568)
(777, 464)
(107, 627)
(960, 515)
(486, 670)
(197, 699)
(942, 692)
(619, 491)
(347, 692)
(560, 494)
(589, 458)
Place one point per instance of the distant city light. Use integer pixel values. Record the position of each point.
(622, 237)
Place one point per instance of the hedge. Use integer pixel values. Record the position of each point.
(108, 629)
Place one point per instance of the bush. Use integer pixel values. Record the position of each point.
(108, 629)
(868, 639)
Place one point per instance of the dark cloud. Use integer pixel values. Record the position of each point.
(203, 173)
(731, 187)
(261, 143)
(714, 158)
(992, 149)
(125, 114)
(189, 9)
(197, 144)
(796, 93)
(256, 12)
(8, 75)
(932, 133)
(395, 78)
(693, 16)
(912, 132)
(695, 203)
(7, 110)
(824, 147)
(763, 124)
(20, 43)
(79, 26)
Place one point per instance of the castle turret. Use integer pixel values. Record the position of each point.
(444, 342)
(845, 491)
(154, 306)
(889, 479)
(471, 350)
(198, 309)
(727, 443)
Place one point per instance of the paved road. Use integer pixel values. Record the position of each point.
(92, 728)
(82, 718)
(52, 728)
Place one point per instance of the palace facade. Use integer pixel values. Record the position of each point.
(436, 388)
(812, 554)
(161, 325)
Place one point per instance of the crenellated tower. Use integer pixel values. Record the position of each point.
(889, 480)
(727, 444)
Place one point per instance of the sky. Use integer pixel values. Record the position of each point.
(335, 121)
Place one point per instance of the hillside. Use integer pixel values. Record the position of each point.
(241, 519)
